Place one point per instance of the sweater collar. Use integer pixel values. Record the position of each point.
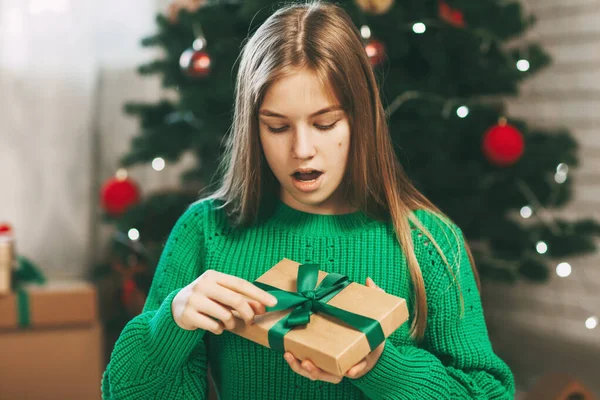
(303, 222)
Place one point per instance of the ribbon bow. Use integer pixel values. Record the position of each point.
(27, 272)
(310, 298)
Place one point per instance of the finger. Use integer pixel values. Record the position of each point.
(295, 366)
(213, 309)
(201, 321)
(258, 307)
(318, 373)
(371, 283)
(246, 288)
(357, 369)
(231, 299)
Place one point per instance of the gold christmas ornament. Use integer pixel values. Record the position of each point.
(178, 5)
(375, 6)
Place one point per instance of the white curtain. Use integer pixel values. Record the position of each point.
(66, 69)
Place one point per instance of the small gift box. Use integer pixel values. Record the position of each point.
(50, 305)
(50, 335)
(323, 317)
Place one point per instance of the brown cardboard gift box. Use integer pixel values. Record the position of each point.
(58, 355)
(333, 346)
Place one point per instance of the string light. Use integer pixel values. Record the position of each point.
(526, 212)
(133, 234)
(419, 27)
(462, 111)
(365, 32)
(185, 59)
(158, 164)
(523, 65)
(541, 247)
(199, 43)
(562, 167)
(561, 173)
(563, 269)
(591, 322)
(560, 177)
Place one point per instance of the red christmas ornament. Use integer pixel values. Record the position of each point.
(117, 194)
(5, 229)
(195, 63)
(452, 16)
(503, 144)
(375, 51)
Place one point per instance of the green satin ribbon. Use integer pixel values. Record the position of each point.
(27, 272)
(23, 308)
(309, 299)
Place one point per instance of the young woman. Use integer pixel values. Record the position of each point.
(309, 174)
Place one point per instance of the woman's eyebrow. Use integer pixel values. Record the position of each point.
(269, 113)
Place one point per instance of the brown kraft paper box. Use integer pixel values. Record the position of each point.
(59, 355)
(332, 345)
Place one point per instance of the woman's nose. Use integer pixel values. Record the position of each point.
(303, 144)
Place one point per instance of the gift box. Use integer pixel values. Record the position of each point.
(322, 317)
(49, 305)
(51, 342)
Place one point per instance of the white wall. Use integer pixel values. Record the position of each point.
(66, 69)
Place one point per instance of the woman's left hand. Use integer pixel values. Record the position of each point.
(309, 370)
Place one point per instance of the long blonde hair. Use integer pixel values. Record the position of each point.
(322, 38)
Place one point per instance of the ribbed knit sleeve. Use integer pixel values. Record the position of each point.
(153, 357)
(455, 359)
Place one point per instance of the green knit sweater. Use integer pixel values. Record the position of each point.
(155, 359)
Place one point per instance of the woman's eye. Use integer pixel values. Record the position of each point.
(276, 130)
(283, 128)
(326, 127)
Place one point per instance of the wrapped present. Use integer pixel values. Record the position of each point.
(49, 334)
(323, 317)
(53, 304)
(34, 303)
(45, 324)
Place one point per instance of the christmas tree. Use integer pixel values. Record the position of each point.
(444, 68)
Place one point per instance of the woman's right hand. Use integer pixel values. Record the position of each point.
(207, 303)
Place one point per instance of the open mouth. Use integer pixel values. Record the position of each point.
(307, 176)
